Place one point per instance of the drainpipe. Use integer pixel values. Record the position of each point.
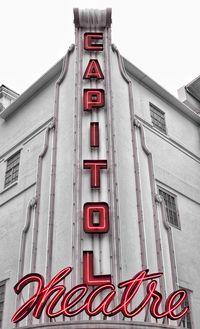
(38, 195)
(37, 204)
(155, 213)
(136, 163)
(36, 200)
(141, 226)
(53, 166)
(31, 205)
(115, 243)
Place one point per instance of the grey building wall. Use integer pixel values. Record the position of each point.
(41, 213)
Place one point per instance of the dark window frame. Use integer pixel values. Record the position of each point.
(188, 318)
(12, 169)
(2, 300)
(158, 121)
(171, 210)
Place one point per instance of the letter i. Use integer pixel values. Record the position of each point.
(94, 134)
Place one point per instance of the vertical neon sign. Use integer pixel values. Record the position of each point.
(94, 99)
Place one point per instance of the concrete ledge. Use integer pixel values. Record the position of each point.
(102, 324)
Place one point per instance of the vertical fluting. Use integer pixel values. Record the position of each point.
(113, 186)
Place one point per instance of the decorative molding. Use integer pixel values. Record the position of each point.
(90, 18)
(168, 139)
(7, 92)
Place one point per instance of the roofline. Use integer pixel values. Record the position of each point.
(131, 69)
(160, 91)
(192, 93)
(27, 94)
(192, 81)
(5, 88)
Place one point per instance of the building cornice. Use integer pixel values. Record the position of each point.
(137, 74)
(131, 69)
(193, 88)
(5, 91)
(34, 88)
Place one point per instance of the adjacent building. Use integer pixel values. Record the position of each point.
(99, 167)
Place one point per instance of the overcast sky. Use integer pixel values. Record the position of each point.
(160, 37)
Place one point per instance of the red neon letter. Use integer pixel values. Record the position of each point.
(93, 98)
(95, 166)
(102, 209)
(89, 43)
(94, 134)
(49, 290)
(88, 269)
(172, 304)
(93, 70)
(131, 288)
(25, 309)
(105, 302)
(66, 304)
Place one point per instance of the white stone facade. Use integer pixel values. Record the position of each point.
(41, 212)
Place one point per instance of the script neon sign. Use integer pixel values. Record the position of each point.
(69, 301)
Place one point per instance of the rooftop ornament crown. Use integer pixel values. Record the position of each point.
(89, 18)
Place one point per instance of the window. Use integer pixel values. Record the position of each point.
(2, 297)
(186, 320)
(171, 208)
(12, 169)
(158, 118)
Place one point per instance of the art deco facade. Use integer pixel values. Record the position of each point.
(150, 144)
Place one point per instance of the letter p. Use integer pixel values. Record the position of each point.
(93, 98)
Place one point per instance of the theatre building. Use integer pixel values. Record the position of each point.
(99, 194)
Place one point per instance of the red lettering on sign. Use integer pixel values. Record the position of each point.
(102, 210)
(93, 70)
(105, 302)
(95, 167)
(94, 134)
(90, 41)
(50, 295)
(49, 290)
(35, 300)
(66, 304)
(88, 271)
(93, 98)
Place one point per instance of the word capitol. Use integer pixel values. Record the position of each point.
(69, 303)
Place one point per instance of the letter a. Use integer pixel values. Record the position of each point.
(93, 70)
